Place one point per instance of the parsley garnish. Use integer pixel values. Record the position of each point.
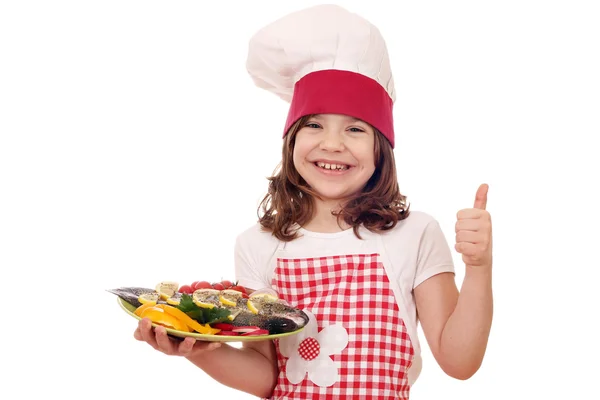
(202, 315)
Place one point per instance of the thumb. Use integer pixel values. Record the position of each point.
(481, 197)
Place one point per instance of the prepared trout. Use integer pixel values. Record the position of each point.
(217, 312)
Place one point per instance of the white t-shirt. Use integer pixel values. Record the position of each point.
(413, 251)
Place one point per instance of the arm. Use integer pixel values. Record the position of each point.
(252, 369)
(457, 325)
(228, 365)
(232, 367)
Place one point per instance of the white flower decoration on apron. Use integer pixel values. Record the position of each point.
(309, 351)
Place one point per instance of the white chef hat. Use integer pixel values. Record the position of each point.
(324, 59)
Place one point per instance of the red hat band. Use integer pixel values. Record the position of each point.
(343, 92)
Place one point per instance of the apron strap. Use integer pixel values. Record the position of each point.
(417, 364)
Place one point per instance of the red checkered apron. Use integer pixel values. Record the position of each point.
(352, 290)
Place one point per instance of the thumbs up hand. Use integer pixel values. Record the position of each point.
(474, 232)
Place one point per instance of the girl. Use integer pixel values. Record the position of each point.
(335, 236)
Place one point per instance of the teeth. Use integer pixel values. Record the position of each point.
(332, 166)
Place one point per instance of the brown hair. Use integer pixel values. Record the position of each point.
(289, 200)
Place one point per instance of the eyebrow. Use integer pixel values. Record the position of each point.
(353, 119)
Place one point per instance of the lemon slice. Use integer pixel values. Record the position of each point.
(175, 299)
(255, 301)
(226, 301)
(200, 297)
(264, 297)
(202, 304)
(252, 307)
(231, 317)
(232, 293)
(167, 289)
(207, 292)
(148, 298)
(229, 297)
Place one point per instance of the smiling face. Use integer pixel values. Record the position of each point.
(335, 155)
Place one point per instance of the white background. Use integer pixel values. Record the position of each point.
(134, 148)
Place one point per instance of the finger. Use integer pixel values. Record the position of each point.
(472, 213)
(164, 343)
(467, 225)
(469, 237)
(191, 345)
(213, 346)
(481, 197)
(467, 249)
(186, 347)
(137, 334)
(145, 327)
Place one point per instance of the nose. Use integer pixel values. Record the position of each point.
(332, 140)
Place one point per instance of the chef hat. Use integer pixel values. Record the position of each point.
(324, 59)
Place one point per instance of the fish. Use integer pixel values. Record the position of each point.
(131, 294)
(263, 311)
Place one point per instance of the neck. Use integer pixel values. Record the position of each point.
(323, 221)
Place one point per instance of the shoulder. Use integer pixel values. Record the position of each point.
(419, 232)
(255, 232)
(256, 239)
(415, 225)
(420, 218)
(418, 248)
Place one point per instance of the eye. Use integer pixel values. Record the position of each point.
(313, 125)
(355, 129)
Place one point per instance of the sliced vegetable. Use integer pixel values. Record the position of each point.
(223, 326)
(260, 332)
(245, 329)
(183, 317)
(138, 311)
(228, 333)
(158, 316)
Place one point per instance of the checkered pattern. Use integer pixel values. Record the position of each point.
(353, 290)
(309, 349)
